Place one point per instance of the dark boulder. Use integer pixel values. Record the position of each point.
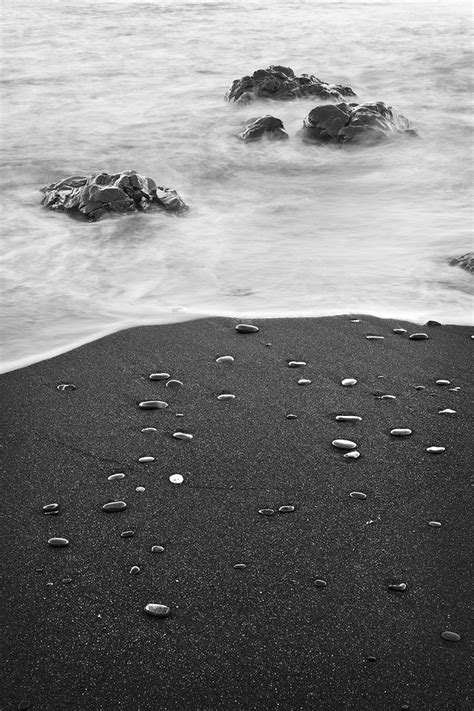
(354, 123)
(95, 196)
(281, 84)
(267, 126)
(466, 262)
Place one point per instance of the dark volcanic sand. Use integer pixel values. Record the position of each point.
(265, 636)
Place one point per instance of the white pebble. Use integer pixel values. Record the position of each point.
(174, 384)
(347, 382)
(226, 396)
(355, 320)
(296, 363)
(386, 397)
(436, 450)
(418, 336)
(399, 330)
(157, 610)
(348, 418)
(176, 479)
(454, 390)
(352, 455)
(443, 382)
(159, 376)
(149, 429)
(153, 405)
(400, 432)
(344, 444)
(182, 435)
(447, 411)
(375, 338)
(113, 477)
(225, 359)
(146, 459)
(140, 489)
(304, 381)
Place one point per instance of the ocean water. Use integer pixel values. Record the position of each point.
(274, 229)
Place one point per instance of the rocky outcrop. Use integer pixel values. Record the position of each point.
(95, 196)
(354, 123)
(268, 126)
(281, 84)
(465, 262)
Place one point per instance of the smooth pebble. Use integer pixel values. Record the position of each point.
(447, 411)
(246, 328)
(348, 418)
(153, 405)
(240, 566)
(134, 570)
(290, 416)
(304, 381)
(114, 477)
(434, 524)
(182, 435)
(344, 444)
(319, 583)
(127, 534)
(347, 382)
(225, 359)
(357, 495)
(399, 330)
(174, 384)
(266, 512)
(451, 636)
(51, 507)
(386, 397)
(398, 587)
(65, 386)
(112, 506)
(443, 382)
(352, 455)
(436, 450)
(157, 610)
(149, 429)
(375, 338)
(286, 509)
(144, 460)
(418, 336)
(296, 363)
(226, 396)
(420, 387)
(58, 542)
(176, 479)
(355, 320)
(157, 549)
(140, 489)
(455, 390)
(159, 376)
(403, 432)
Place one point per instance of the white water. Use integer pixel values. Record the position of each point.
(274, 229)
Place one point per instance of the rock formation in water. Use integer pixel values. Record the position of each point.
(354, 123)
(268, 126)
(281, 84)
(95, 196)
(466, 261)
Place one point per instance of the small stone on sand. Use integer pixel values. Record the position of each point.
(266, 512)
(352, 455)
(434, 524)
(246, 328)
(398, 587)
(153, 405)
(182, 435)
(436, 450)
(58, 542)
(176, 479)
(296, 363)
(399, 330)
(348, 418)
(140, 489)
(240, 566)
(355, 320)
(451, 636)
(127, 534)
(304, 381)
(403, 432)
(418, 336)
(357, 495)
(65, 386)
(320, 583)
(114, 477)
(51, 507)
(149, 429)
(347, 382)
(174, 384)
(290, 416)
(286, 509)
(447, 411)
(375, 338)
(157, 610)
(157, 549)
(159, 376)
(344, 444)
(226, 396)
(386, 397)
(113, 506)
(144, 460)
(225, 359)
(134, 570)
(443, 382)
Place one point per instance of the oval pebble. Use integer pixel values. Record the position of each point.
(436, 450)
(157, 610)
(286, 509)
(114, 477)
(134, 570)
(240, 566)
(398, 587)
(127, 534)
(153, 405)
(290, 416)
(51, 513)
(386, 397)
(357, 495)
(401, 432)
(159, 376)
(352, 455)
(418, 336)
(65, 386)
(182, 435)
(443, 382)
(112, 506)
(375, 338)
(144, 460)
(296, 363)
(140, 489)
(174, 383)
(304, 381)
(58, 542)
(347, 382)
(343, 444)
(157, 549)
(434, 524)
(451, 636)
(447, 411)
(149, 429)
(348, 418)
(51, 507)
(319, 583)
(176, 479)
(246, 328)
(399, 330)
(355, 320)
(226, 396)
(225, 359)
(266, 512)
(420, 387)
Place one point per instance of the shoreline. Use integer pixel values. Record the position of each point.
(268, 635)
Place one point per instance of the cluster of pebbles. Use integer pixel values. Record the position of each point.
(347, 447)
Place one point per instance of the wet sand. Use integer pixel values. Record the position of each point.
(265, 636)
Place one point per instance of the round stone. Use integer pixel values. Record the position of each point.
(240, 566)
(182, 435)
(159, 376)
(375, 338)
(226, 396)
(225, 359)
(443, 382)
(134, 570)
(402, 432)
(176, 479)
(348, 418)
(115, 477)
(144, 460)
(58, 542)
(357, 495)
(157, 549)
(286, 509)
(174, 384)
(398, 587)
(149, 429)
(451, 636)
(127, 534)
(320, 583)
(436, 450)
(352, 455)
(51, 507)
(447, 411)
(296, 363)
(343, 444)
(418, 336)
(434, 524)
(140, 489)
(153, 405)
(399, 330)
(266, 512)
(291, 417)
(157, 610)
(113, 506)
(304, 381)
(348, 382)
(246, 328)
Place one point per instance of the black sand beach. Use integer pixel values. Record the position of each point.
(265, 636)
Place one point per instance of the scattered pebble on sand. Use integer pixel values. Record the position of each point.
(149, 429)
(447, 411)
(375, 338)
(436, 450)
(344, 444)
(399, 330)
(157, 610)
(451, 636)
(319, 583)
(144, 460)
(182, 435)
(385, 397)
(153, 405)
(246, 328)
(290, 416)
(50, 507)
(266, 512)
(114, 477)
(418, 336)
(455, 390)
(127, 534)
(355, 320)
(348, 382)
(348, 418)
(159, 376)
(65, 386)
(113, 506)
(357, 495)
(226, 396)
(225, 359)
(134, 570)
(420, 387)
(157, 549)
(296, 363)
(286, 509)
(174, 383)
(176, 479)
(352, 455)
(240, 566)
(398, 587)
(434, 524)
(58, 542)
(401, 432)
(51, 513)
(140, 489)
(443, 382)
(304, 381)
(179, 414)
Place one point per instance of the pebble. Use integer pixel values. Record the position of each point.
(114, 477)
(455, 390)
(399, 330)
(65, 386)
(182, 435)
(355, 320)
(112, 506)
(58, 542)
(176, 479)
(140, 489)
(157, 610)
(226, 396)
(320, 583)
(357, 495)
(436, 450)
(352, 455)
(157, 549)
(179, 414)
(348, 418)
(266, 512)
(347, 382)
(343, 444)
(434, 524)
(443, 382)
(225, 359)
(240, 566)
(432, 323)
(420, 387)
(127, 534)
(447, 411)
(153, 405)
(398, 587)
(375, 338)
(134, 570)
(246, 328)
(174, 384)
(50, 507)
(304, 381)
(149, 429)
(291, 417)
(418, 336)
(51, 513)
(296, 363)
(159, 376)
(286, 509)
(401, 432)
(144, 460)
(371, 659)
(451, 636)
(386, 397)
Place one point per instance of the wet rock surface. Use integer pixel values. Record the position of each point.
(466, 261)
(263, 127)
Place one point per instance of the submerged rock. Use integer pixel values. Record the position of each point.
(466, 261)
(263, 126)
(95, 196)
(282, 84)
(354, 123)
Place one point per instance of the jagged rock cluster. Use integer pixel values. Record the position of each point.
(466, 261)
(95, 196)
(281, 84)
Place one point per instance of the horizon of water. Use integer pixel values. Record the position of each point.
(274, 229)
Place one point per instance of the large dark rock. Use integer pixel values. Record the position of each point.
(354, 123)
(281, 84)
(466, 262)
(268, 126)
(95, 196)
